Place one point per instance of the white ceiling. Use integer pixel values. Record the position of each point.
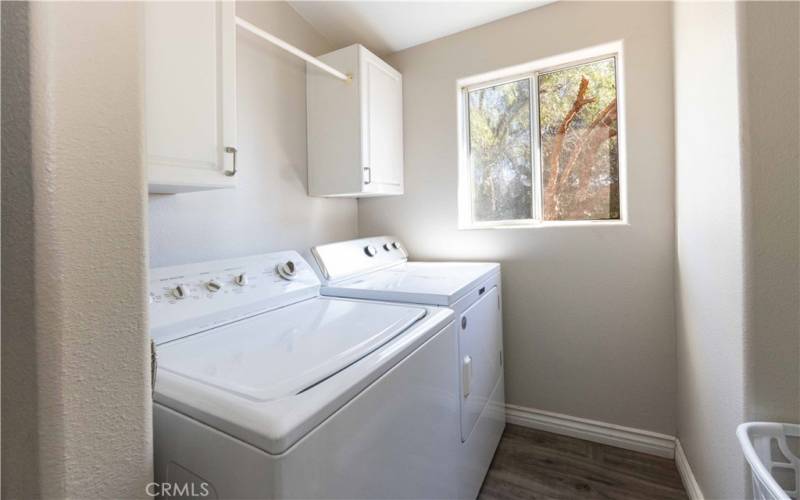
(386, 27)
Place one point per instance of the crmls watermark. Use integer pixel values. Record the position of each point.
(177, 490)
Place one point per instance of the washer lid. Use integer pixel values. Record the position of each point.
(285, 351)
(435, 283)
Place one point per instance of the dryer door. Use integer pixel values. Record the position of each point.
(480, 346)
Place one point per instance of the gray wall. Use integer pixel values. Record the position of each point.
(769, 54)
(20, 449)
(76, 398)
(269, 210)
(588, 311)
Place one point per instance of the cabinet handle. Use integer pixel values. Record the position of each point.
(233, 151)
(369, 175)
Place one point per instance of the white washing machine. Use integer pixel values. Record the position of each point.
(265, 389)
(378, 269)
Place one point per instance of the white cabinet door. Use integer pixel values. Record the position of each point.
(190, 86)
(355, 128)
(383, 89)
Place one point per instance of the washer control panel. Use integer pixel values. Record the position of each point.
(194, 297)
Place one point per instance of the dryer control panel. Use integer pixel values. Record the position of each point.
(189, 298)
(346, 259)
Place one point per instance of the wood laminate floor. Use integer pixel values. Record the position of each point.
(531, 464)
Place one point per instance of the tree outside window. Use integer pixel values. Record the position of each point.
(576, 174)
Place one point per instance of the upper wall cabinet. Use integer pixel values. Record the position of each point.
(355, 128)
(190, 95)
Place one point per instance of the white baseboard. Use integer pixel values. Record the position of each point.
(687, 476)
(628, 438)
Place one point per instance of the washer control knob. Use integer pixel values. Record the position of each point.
(387, 246)
(240, 279)
(180, 292)
(287, 270)
(214, 286)
(396, 245)
(370, 250)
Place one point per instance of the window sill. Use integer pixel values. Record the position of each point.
(545, 225)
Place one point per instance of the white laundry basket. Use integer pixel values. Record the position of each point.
(772, 451)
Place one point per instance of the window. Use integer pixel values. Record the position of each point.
(542, 145)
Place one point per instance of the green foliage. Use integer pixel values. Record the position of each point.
(500, 151)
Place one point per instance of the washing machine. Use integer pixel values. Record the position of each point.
(266, 389)
(378, 269)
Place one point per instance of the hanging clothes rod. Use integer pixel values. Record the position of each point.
(291, 49)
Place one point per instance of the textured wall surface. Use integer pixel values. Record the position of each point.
(588, 311)
(84, 209)
(269, 210)
(738, 222)
(769, 49)
(710, 246)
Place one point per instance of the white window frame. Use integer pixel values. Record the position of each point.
(531, 71)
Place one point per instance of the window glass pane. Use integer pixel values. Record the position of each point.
(500, 152)
(578, 129)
